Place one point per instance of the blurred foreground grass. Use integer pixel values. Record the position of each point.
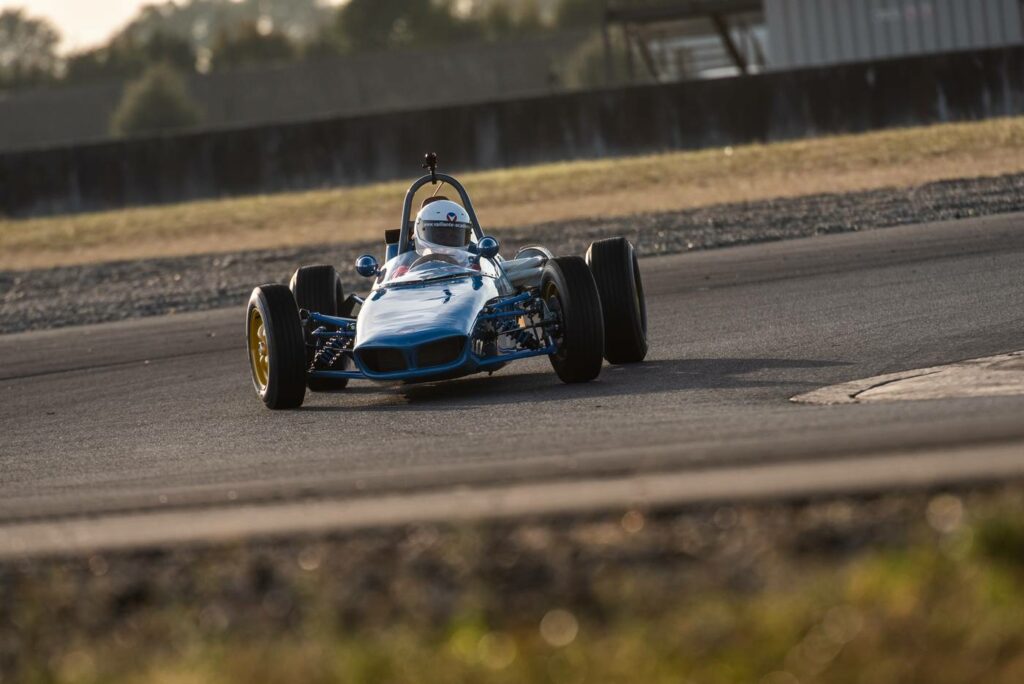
(908, 588)
(530, 195)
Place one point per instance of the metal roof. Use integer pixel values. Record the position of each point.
(682, 9)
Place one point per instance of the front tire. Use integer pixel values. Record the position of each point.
(318, 288)
(277, 354)
(624, 309)
(568, 287)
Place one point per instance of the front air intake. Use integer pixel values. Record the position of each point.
(441, 352)
(382, 359)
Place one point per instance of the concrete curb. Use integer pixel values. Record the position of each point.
(991, 376)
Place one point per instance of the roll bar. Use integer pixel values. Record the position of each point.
(405, 236)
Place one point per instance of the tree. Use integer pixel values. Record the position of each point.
(28, 50)
(590, 66)
(158, 101)
(327, 44)
(501, 20)
(574, 13)
(380, 24)
(166, 48)
(202, 22)
(128, 56)
(250, 45)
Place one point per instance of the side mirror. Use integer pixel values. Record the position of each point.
(487, 247)
(367, 266)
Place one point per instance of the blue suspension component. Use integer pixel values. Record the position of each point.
(515, 356)
(523, 320)
(499, 314)
(329, 352)
(502, 303)
(331, 345)
(346, 326)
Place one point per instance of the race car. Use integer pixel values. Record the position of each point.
(445, 304)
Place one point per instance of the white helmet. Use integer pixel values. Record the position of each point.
(443, 227)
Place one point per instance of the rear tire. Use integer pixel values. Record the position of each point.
(568, 287)
(624, 309)
(318, 288)
(277, 355)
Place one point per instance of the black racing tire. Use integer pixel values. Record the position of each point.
(318, 288)
(277, 355)
(617, 274)
(568, 287)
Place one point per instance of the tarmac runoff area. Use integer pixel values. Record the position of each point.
(992, 376)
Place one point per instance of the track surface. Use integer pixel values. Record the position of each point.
(157, 413)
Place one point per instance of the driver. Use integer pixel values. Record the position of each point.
(442, 233)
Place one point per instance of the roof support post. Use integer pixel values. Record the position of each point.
(608, 57)
(730, 45)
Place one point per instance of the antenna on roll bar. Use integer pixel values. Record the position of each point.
(430, 163)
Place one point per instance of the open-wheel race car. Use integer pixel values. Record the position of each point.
(445, 304)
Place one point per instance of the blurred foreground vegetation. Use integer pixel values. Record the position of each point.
(908, 588)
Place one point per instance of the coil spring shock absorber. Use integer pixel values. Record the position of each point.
(328, 354)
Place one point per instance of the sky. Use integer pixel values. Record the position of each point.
(83, 23)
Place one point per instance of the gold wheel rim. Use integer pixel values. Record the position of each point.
(259, 356)
(550, 291)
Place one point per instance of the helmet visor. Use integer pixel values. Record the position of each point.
(446, 234)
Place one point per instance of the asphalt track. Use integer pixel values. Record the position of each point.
(158, 414)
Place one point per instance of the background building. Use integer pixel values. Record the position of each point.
(812, 32)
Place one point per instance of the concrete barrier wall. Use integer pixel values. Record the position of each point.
(351, 150)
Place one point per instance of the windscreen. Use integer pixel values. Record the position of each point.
(413, 267)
